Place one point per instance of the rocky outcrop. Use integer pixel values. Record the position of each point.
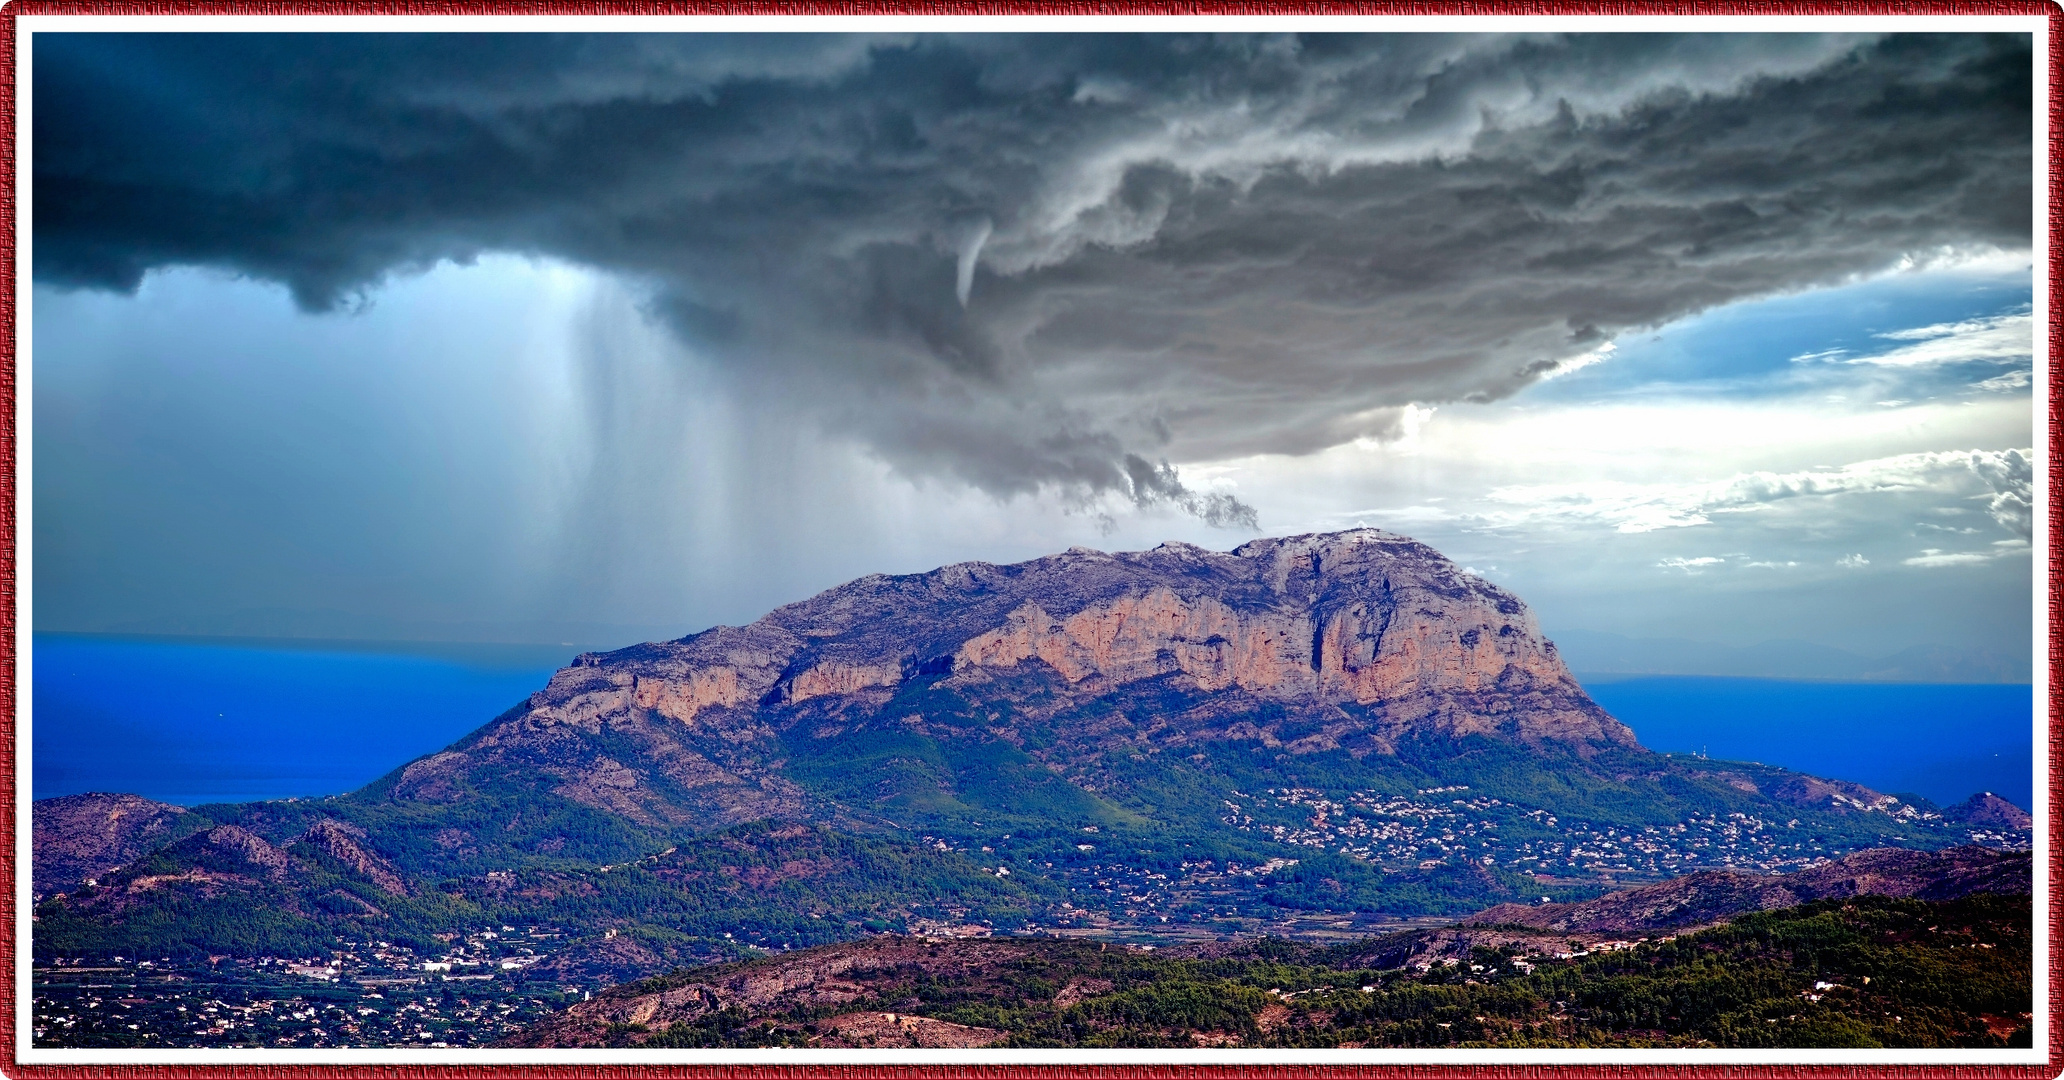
(77, 837)
(1715, 895)
(817, 980)
(612, 959)
(1371, 634)
(237, 845)
(892, 1030)
(341, 841)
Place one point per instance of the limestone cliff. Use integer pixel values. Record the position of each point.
(1360, 637)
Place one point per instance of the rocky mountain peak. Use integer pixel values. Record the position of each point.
(1358, 616)
(1365, 635)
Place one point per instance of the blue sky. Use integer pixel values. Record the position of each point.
(602, 340)
(1752, 350)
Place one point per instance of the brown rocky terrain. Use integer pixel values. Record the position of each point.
(855, 994)
(77, 837)
(889, 1029)
(820, 979)
(1712, 896)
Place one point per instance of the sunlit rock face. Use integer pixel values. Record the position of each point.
(1341, 641)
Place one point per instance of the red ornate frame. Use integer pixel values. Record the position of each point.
(10, 1065)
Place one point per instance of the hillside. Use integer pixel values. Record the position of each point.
(1864, 969)
(1714, 895)
(76, 837)
(1314, 736)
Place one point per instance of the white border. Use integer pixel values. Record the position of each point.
(28, 26)
(24, 530)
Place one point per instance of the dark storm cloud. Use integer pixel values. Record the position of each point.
(1056, 262)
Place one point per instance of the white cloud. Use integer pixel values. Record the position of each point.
(2012, 380)
(1997, 337)
(1691, 566)
(1937, 557)
(1772, 565)
(2004, 477)
(1400, 516)
(1852, 561)
(1581, 361)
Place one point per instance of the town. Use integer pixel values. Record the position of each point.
(482, 984)
(372, 993)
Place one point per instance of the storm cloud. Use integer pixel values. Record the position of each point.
(1056, 263)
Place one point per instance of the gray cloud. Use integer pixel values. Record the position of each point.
(1056, 263)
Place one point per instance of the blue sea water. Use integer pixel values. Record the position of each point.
(191, 722)
(1943, 742)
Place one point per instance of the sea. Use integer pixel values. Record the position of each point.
(1944, 742)
(194, 721)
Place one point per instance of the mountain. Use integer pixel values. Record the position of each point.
(1345, 642)
(76, 837)
(1873, 947)
(1303, 734)
(1986, 809)
(1598, 653)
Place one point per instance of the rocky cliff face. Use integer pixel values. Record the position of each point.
(1359, 637)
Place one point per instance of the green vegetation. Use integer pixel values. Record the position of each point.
(793, 887)
(1866, 972)
(930, 762)
(1122, 815)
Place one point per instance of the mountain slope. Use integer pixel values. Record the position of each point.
(1170, 740)
(77, 837)
(1714, 895)
(1940, 941)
